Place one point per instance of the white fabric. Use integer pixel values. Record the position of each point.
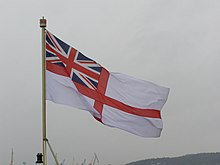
(141, 126)
(135, 92)
(126, 89)
(61, 90)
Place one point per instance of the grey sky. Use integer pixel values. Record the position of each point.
(172, 43)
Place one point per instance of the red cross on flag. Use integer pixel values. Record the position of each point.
(114, 99)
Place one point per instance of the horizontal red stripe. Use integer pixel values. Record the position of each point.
(151, 113)
(56, 69)
(84, 70)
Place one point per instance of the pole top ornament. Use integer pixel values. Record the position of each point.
(43, 22)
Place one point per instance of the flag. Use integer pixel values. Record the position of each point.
(114, 99)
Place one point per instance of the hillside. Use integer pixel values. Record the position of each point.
(193, 159)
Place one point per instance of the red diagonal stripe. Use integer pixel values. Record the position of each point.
(87, 62)
(88, 81)
(59, 55)
(51, 38)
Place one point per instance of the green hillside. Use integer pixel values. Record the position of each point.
(193, 159)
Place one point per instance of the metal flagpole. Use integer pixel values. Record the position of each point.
(43, 24)
(12, 157)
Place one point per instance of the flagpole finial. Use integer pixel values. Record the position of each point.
(43, 22)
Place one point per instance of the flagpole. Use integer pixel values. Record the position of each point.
(43, 24)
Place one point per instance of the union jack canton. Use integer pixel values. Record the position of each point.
(74, 64)
(89, 77)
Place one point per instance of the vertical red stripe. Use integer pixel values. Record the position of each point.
(102, 84)
(70, 61)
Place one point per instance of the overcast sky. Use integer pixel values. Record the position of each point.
(173, 43)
